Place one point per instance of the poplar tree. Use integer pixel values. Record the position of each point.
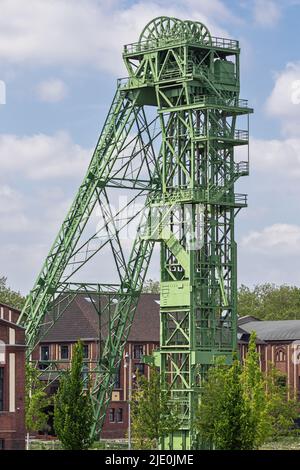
(73, 412)
(241, 408)
(36, 401)
(223, 418)
(152, 414)
(255, 395)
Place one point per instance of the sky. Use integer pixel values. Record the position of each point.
(59, 62)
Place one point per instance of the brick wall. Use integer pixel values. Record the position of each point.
(9, 313)
(117, 427)
(279, 354)
(12, 417)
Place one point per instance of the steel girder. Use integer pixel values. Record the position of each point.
(192, 81)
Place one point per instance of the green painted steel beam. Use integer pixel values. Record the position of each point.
(182, 162)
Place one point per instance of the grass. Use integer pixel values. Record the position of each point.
(285, 443)
(37, 444)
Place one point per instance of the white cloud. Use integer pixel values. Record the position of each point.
(64, 32)
(276, 157)
(10, 200)
(266, 12)
(284, 100)
(277, 240)
(45, 170)
(2, 92)
(13, 218)
(21, 262)
(40, 157)
(52, 91)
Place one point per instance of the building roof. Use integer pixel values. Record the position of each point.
(81, 321)
(244, 336)
(275, 330)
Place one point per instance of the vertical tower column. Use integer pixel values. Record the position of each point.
(197, 90)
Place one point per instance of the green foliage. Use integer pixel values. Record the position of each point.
(223, 418)
(241, 408)
(255, 397)
(36, 401)
(212, 400)
(73, 411)
(151, 287)
(284, 443)
(270, 302)
(152, 415)
(10, 297)
(282, 411)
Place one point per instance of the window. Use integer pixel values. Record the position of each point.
(64, 351)
(140, 369)
(1, 389)
(53, 390)
(2, 447)
(85, 376)
(138, 351)
(45, 353)
(281, 380)
(85, 351)
(280, 356)
(120, 415)
(112, 415)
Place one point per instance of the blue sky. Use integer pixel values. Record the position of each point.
(60, 60)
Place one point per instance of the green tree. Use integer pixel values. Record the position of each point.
(36, 401)
(270, 302)
(241, 408)
(223, 418)
(151, 287)
(283, 407)
(255, 397)
(73, 411)
(152, 414)
(9, 296)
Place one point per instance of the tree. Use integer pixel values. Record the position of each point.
(270, 302)
(36, 401)
(73, 411)
(223, 418)
(283, 407)
(151, 287)
(255, 396)
(10, 297)
(241, 408)
(153, 416)
(212, 399)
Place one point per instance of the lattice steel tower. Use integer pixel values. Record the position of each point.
(183, 94)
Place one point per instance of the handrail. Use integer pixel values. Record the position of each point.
(194, 69)
(237, 134)
(215, 100)
(215, 193)
(149, 44)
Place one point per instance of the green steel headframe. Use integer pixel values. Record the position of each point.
(168, 140)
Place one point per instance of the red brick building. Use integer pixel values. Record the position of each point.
(279, 344)
(12, 380)
(275, 343)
